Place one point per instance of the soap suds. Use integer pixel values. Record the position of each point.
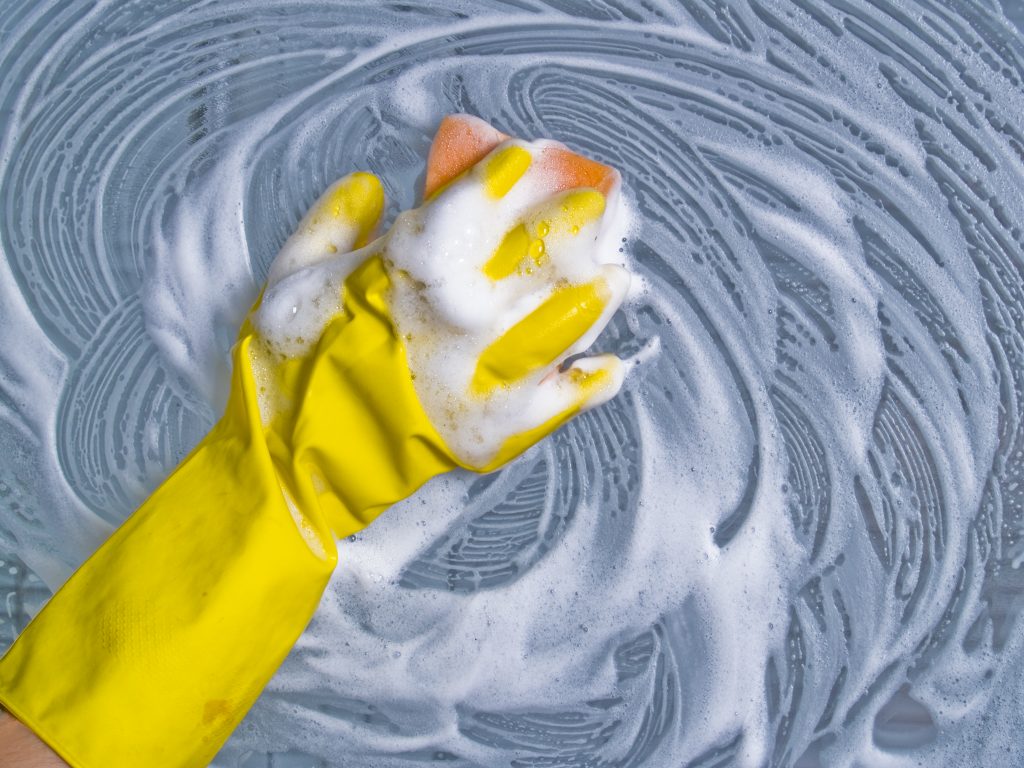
(803, 512)
(449, 311)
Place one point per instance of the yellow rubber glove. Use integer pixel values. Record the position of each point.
(359, 376)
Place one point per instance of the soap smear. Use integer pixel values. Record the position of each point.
(794, 538)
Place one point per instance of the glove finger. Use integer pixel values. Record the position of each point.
(502, 168)
(588, 382)
(527, 245)
(344, 218)
(569, 319)
(585, 384)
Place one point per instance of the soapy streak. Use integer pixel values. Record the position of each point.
(748, 134)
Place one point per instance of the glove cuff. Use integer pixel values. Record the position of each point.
(158, 645)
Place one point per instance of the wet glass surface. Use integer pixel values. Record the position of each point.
(794, 540)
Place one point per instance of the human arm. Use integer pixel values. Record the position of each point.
(20, 748)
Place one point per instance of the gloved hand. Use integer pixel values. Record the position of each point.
(359, 375)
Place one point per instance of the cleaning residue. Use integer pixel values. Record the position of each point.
(793, 539)
(505, 251)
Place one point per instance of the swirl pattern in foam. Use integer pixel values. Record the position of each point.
(794, 539)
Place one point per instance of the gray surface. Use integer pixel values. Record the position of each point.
(513, 523)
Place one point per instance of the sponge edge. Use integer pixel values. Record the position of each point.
(460, 143)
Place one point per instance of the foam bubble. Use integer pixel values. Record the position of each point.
(448, 311)
(798, 523)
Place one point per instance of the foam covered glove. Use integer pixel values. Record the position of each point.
(365, 369)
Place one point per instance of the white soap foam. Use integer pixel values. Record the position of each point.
(446, 308)
(519, 645)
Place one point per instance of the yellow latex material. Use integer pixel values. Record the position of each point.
(155, 649)
(344, 217)
(541, 337)
(510, 255)
(524, 247)
(504, 168)
(570, 212)
(358, 440)
(586, 382)
(359, 198)
(146, 656)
